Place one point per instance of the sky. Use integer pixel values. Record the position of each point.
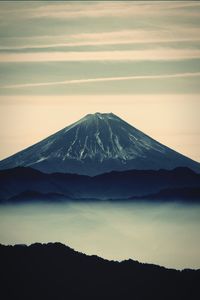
(62, 60)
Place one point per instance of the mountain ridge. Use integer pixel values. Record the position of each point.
(55, 271)
(95, 144)
(114, 185)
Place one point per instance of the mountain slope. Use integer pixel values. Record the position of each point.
(96, 144)
(55, 271)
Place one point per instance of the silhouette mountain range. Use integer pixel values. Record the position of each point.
(54, 271)
(98, 143)
(27, 184)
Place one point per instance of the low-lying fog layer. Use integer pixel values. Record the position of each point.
(165, 234)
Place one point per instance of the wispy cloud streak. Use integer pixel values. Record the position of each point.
(133, 36)
(102, 79)
(111, 9)
(155, 54)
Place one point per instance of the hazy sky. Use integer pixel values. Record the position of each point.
(62, 60)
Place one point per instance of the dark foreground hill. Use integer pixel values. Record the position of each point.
(55, 271)
(26, 184)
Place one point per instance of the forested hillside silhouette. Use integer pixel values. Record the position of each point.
(55, 271)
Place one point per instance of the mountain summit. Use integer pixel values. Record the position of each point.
(98, 143)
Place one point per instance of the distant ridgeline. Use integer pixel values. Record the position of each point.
(29, 185)
(55, 271)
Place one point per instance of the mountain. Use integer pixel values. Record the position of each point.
(26, 184)
(33, 196)
(98, 143)
(186, 194)
(54, 271)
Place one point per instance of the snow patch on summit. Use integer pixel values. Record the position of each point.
(41, 159)
(84, 148)
(99, 140)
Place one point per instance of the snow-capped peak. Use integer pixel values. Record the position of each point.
(97, 143)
